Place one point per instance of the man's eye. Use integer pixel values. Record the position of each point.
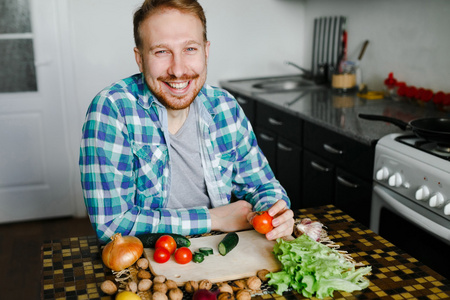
(191, 49)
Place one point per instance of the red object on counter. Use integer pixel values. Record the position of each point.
(439, 97)
(402, 90)
(446, 101)
(411, 92)
(426, 95)
(419, 93)
(400, 84)
(390, 81)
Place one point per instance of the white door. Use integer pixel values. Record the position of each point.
(34, 157)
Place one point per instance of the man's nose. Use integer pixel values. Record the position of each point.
(178, 66)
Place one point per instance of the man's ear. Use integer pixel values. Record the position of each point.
(208, 43)
(138, 57)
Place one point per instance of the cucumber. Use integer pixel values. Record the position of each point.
(228, 243)
(149, 239)
(198, 257)
(206, 251)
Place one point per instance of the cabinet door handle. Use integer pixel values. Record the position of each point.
(241, 100)
(332, 149)
(319, 167)
(275, 122)
(284, 147)
(347, 183)
(266, 137)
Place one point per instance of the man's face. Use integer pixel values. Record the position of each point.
(173, 57)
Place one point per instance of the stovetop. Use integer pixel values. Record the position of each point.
(439, 150)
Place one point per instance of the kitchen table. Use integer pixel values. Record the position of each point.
(73, 269)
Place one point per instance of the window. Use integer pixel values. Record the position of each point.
(17, 69)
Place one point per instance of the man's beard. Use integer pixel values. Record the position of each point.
(177, 102)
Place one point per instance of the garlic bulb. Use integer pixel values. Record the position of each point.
(313, 229)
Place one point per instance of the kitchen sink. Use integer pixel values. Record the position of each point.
(269, 85)
(285, 84)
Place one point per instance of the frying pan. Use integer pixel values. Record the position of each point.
(435, 130)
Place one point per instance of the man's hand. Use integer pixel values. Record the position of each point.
(283, 220)
(231, 217)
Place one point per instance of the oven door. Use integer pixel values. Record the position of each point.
(411, 228)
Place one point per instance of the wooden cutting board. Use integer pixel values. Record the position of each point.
(252, 253)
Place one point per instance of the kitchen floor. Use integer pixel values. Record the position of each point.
(20, 252)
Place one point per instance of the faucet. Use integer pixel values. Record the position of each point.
(307, 73)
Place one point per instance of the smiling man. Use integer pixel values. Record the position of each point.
(162, 151)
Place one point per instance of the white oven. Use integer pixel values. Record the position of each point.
(411, 198)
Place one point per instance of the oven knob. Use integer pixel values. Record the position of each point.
(422, 193)
(447, 209)
(382, 173)
(437, 200)
(395, 180)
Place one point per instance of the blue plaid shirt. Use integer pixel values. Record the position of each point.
(125, 161)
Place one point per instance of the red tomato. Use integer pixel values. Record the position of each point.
(183, 255)
(161, 255)
(166, 241)
(262, 222)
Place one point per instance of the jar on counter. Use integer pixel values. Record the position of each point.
(390, 84)
(345, 81)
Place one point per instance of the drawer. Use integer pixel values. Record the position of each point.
(279, 122)
(342, 151)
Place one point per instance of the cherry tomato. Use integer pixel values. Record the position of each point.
(168, 242)
(183, 255)
(161, 255)
(262, 222)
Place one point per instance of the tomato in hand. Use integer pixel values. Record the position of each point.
(168, 242)
(262, 222)
(183, 255)
(161, 255)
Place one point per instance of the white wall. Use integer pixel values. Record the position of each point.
(251, 38)
(408, 37)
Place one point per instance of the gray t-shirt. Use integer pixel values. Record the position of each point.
(188, 188)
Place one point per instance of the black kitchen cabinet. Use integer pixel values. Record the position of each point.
(316, 165)
(279, 137)
(279, 122)
(344, 152)
(289, 167)
(353, 196)
(318, 181)
(285, 160)
(340, 165)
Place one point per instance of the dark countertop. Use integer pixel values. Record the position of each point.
(337, 111)
(73, 269)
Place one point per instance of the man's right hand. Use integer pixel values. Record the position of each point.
(231, 217)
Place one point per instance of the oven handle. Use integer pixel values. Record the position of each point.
(412, 216)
